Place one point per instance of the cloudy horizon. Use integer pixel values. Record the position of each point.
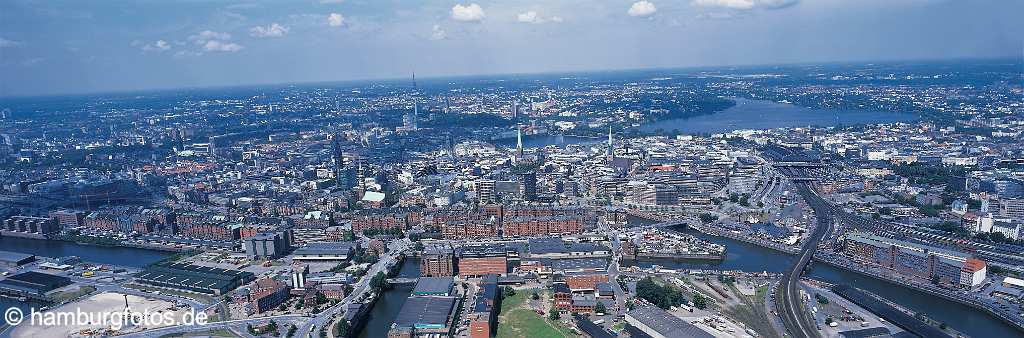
(81, 47)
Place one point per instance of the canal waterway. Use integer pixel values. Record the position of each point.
(752, 258)
(387, 308)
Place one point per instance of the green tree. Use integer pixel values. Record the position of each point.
(535, 296)
(379, 281)
(699, 301)
(661, 296)
(341, 328)
(600, 308)
(553, 314)
(320, 298)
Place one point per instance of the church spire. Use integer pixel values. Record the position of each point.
(519, 142)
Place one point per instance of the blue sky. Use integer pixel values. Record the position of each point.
(54, 47)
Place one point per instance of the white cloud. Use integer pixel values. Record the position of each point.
(529, 17)
(218, 46)
(535, 18)
(275, 30)
(208, 35)
(642, 8)
(438, 33)
(745, 4)
(211, 41)
(472, 12)
(335, 19)
(8, 43)
(158, 46)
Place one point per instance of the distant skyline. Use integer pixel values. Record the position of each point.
(68, 47)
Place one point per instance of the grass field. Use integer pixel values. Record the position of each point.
(517, 320)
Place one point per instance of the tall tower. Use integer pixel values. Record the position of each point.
(415, 113)
(610, 152)
(519, 142)
(515, 110)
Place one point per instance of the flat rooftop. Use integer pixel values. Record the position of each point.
(434, 286)
(325, 248)
(665, 323)
(34, 282)
(15, 257)
(426, 312)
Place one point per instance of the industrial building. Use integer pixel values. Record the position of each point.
(32, 284)
(480, 260)
(556, 248)
(483, 316)
(434, 286)
(29, 227)
(658, 323)
(325, 251)
(267, 245)
(425, 317)
(15, 259)
(922, 261)
(437, 261)
(194, 278)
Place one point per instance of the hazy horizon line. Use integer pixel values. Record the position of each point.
(485, 75)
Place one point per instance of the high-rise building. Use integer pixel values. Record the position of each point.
(485, 190)
(529, 185)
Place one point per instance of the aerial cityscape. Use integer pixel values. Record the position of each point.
(878, 196)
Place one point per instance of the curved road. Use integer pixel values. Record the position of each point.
(789, 303)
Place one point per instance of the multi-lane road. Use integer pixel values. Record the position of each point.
(789, 303)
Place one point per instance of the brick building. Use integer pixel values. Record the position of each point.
(476, 261)
(437, 261)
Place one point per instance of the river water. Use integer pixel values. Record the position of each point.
(752, 258)
(131, 257)
(387, 308)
